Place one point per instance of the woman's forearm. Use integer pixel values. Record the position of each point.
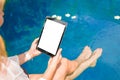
(52, 66)
(32, 52)
(24, 57)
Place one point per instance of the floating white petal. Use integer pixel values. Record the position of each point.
(73, 17)
(59, 17)
(54, 16)
(67, 15)
(117, 17)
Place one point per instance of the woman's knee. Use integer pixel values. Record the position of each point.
(65, 63)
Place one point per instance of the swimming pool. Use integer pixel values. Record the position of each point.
(90, 22)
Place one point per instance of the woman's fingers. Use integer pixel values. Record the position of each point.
(58, 56)
(56, 59)
(35, 41)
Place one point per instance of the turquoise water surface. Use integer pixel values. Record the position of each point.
(90, 22)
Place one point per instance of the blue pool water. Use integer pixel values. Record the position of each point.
(94, 25)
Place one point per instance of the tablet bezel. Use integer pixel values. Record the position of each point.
(59, 21)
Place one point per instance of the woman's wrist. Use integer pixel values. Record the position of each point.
(34, 53)
(28, 56)
(31, 54)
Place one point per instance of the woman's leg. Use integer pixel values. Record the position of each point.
(72, 69)
(86, 53)
(97, 53)
(35, 76)
(68, 67)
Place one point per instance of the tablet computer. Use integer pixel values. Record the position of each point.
(51, 36)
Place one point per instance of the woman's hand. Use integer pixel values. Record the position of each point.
(33, 51)
(52, 66)
(55, 60)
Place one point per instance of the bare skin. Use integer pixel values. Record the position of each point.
(69, 70)
(90, 62)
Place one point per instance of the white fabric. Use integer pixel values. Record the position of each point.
(15, 58)
(12, 70)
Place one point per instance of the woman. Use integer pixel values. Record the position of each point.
(58, 68)
(68, 69)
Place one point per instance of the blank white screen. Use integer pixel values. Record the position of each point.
(51, 36)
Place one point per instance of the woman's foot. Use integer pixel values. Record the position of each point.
(93, 59)
(86, 53)
(97, 53)
(93, 64)
(84, 65)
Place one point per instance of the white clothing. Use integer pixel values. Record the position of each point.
(12, 71)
